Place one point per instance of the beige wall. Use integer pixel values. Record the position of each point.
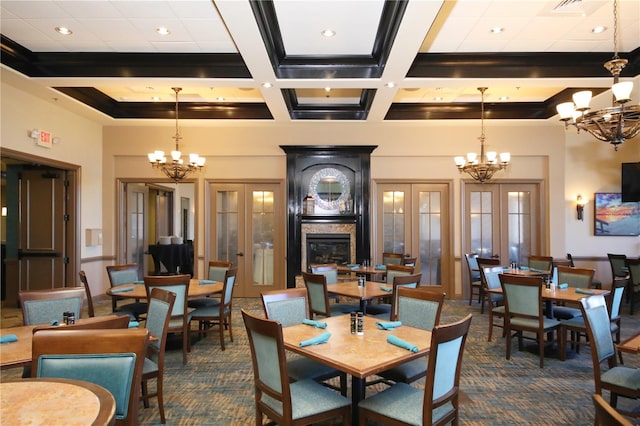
(569, 163)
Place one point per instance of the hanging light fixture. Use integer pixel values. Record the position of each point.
(484, 167)
(176, 169)
(614, 124)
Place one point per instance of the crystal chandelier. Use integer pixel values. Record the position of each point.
(176, 170)
(614, 124)
(484, 167)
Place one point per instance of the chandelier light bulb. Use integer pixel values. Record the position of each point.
(459, 160)
(176, 155)
(582, 100)
(505, 157)
(472, 157)
(491, 157)
(566, 110)
(622, 91)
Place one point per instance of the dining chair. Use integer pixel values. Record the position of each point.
(111, 358)
(389, 311)
(575, 278)
(523, 311)
(420, 308)
(619, 270)
(316, 285)
(596, 283)
(216, 272)
(160, 304)
(633, 292)
(109, 321)
(303, 402)
(606, 415)
(475, 284)
(617, 379)
(496, 308)
(437, 403)
(329, 270)
(392, 258)
(540, 263)
(90, 308)
(126, 273)
(181, 313)
(48, 306)
(409, 261)
(220, 314)
(394, 270)
(290, 307)
(485, 262)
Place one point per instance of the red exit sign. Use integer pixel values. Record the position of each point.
(45, 139)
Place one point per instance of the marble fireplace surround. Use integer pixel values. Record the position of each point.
(328, 228)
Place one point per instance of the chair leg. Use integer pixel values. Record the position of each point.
(508, 340)
(221, 330)
(145, 394)
(160, 399)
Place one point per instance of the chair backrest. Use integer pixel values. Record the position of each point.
(122, 274)
(491, 278)
(409, 261)
(317, 292)
(484, 262)
(226, 299)
(392, 258)
(606, 415)
(575, 277)
(405, 281)
(329, 270)
(570, 259)
(617, 265)
(633, 265)
(177, 284)
(419, 307)
(87, 289)
(522, 296)
(472, 266)
(104, 322)
(596, 318)
(217, 270)
(112, 359)
(47, 306)
(160, 304)
(614, 299)
(398, 270)
(269, 363)
(542, 263)
(289, 306)
(443, 369)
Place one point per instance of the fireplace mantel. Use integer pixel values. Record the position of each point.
(303, 161)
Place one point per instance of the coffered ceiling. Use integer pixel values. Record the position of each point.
(388, 60)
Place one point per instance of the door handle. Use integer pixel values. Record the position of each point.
(240, 254)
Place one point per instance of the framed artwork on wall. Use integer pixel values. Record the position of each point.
(615, 218)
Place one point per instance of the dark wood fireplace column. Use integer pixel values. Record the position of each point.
(305, 161)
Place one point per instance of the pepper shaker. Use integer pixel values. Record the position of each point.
(360, 326)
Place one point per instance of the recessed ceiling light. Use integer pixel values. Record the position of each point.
(219, 99)
(155, 98)
(599, 29)
(64, 30)
(438, 98)
(503, 98)
(163, 31)
(328, 32)
(266, 84)
(391, 84)
(497, 30)
(327, 89)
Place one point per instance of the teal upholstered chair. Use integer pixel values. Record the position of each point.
(475, 284)
(181, 313)
(618, 380)
(392, 258)
(398, 270)
(576, 278)
(496, 308)
(126, 273)
(437, 403)
(523, 311)
(606, 415)
(485, 262)
(112, 359)
(290, 307)
(160, 304)
(299, 403)
(329, 270)
(633, 292)
(219, 314)
(389, 311)
(541, 263)
(420, 308)
(217, 272)
(316, 285)
(47, 306)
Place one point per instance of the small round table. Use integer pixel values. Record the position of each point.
(48, 401)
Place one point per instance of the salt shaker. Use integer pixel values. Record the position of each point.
(360, 325)
(354, 323)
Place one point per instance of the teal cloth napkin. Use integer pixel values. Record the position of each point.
(138, 282)
(388, 325)
(583, 291)
(316, 324)
(395, 340)
(524, 268)
(385, 288)
(120, 290)
(537, 270)
(322, 338)
(563, 285)
(381, 267)
(9, 338)
(207, 282)
(353, 265)
(134, 324)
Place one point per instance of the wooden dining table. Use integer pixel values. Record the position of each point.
(48, 401)
(371, 290)
(360, 356)
(630, 345)
(197, 289)
(362, 270)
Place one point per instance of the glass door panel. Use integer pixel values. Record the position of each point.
(263, 238)
(393, 222)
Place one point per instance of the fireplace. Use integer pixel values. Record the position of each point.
(328, 248)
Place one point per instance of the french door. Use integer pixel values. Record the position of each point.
(246, 225)
(414, 219)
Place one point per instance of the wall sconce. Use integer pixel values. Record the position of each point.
(4, 211)
(580, 207)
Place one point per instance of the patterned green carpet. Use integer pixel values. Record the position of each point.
(215, 387)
